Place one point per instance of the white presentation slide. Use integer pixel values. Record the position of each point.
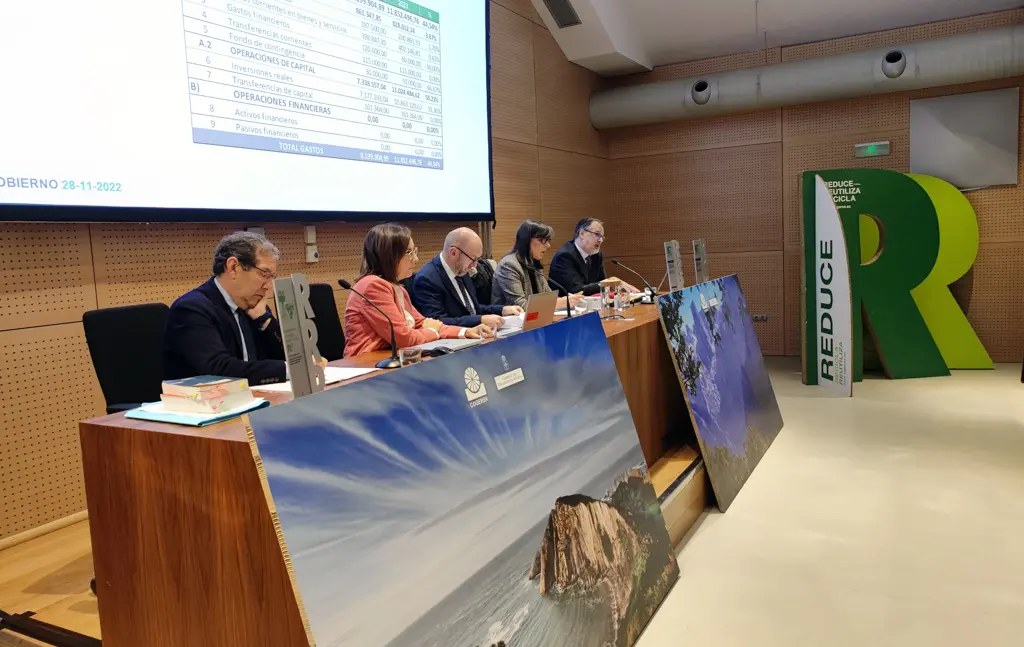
(298, 105)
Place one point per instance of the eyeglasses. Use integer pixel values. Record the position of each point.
(595, 234)
(264, 273)
(414, 252)
(474, 259)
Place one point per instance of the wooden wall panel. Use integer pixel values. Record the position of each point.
(714, 65)
(793, 293)
(887, 112)
(996, 300)
(522, 8)
(903, 35)
(698, 134)
(760, 274)
(46, 386)
(513, 93)
(730, 196)
(516, 190)
(45, 274)
(563, 100)
(573, 186)
(831, 153)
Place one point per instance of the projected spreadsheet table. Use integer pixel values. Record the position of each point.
(347, 79)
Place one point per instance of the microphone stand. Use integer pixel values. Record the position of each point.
(568, 308)
(648, 288)
(393, 361)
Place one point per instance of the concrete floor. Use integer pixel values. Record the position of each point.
(892, 518)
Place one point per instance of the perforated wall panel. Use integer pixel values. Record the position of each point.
(697, 134)
(730, 196)
(996, 300)
(45, 274)
(831, 153)
(903, 35)
(516, 190)
(572, 187)
(761, 274)
(886, 112)
(791, 286)
(46, 386)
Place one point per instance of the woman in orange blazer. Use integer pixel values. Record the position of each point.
(388, 257)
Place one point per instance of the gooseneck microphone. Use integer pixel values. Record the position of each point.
(650, 290)
(568, 308)
(393, 361)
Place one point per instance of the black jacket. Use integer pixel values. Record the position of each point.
(435, 297)
(202, 339)
(569, 269)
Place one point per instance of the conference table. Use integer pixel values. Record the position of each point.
(184, 546)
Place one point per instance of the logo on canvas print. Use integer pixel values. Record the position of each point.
(476, 392)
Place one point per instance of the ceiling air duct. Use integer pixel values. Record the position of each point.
(966, 58)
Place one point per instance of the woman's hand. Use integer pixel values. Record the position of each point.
(432, 324)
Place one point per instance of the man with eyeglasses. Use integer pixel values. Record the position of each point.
(579, 264)
(443, 290)
(224, 327)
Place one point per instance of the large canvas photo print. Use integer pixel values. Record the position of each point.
(494, 496)
(718, 361)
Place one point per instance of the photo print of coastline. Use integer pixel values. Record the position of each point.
(723, 377)
(495, 495)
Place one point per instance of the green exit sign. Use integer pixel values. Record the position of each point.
(871, 149)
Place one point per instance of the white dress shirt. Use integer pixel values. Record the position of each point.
(582, 253)
(454, 280)
(234, 312)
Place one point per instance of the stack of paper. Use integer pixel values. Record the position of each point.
(332, 375)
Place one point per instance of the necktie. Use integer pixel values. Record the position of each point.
(249, 350)
(465, 296)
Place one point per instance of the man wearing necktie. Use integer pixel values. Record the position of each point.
(579, 264)
(224, 327)
(443, 290)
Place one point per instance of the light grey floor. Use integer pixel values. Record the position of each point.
(895, 518)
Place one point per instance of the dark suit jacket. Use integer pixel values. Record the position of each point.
(435, 297)
(202, 339)
(569, 269)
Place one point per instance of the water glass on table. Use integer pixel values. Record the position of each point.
(410, 356)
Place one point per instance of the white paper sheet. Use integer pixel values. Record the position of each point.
(332, 375)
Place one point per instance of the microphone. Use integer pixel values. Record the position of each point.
(393, 361)
(650, 290)
(568, 308)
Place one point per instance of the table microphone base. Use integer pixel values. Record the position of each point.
(391, 362)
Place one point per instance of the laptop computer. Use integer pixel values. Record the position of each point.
(540, 311)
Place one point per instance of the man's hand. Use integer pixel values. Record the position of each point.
(492, 321)
(575, 298)
(479, 332)
(258, 310)
(511, 311)
(322, 362)
(632, 290)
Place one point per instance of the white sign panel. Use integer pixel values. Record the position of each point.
(832, 296)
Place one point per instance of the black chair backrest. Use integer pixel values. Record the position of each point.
(126, 345)
(330, 336)
(482, 280)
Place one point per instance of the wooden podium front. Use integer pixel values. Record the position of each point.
(184, 549)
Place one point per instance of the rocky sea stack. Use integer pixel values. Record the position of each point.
(614, 549)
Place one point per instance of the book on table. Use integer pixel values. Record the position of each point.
(205, 387)
(215, 404)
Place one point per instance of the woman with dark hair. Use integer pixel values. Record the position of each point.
(389, 255)
(520, 273)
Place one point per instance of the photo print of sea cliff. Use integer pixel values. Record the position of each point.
(722, 373)
(426, 507)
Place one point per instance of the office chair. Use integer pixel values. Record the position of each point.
(126, 348)
(407, 284)
(330, 335)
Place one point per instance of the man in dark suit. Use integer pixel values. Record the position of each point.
(579, 265)
(443, 290)
(224, 327)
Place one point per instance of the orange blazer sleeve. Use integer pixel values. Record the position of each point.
(382, 294)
